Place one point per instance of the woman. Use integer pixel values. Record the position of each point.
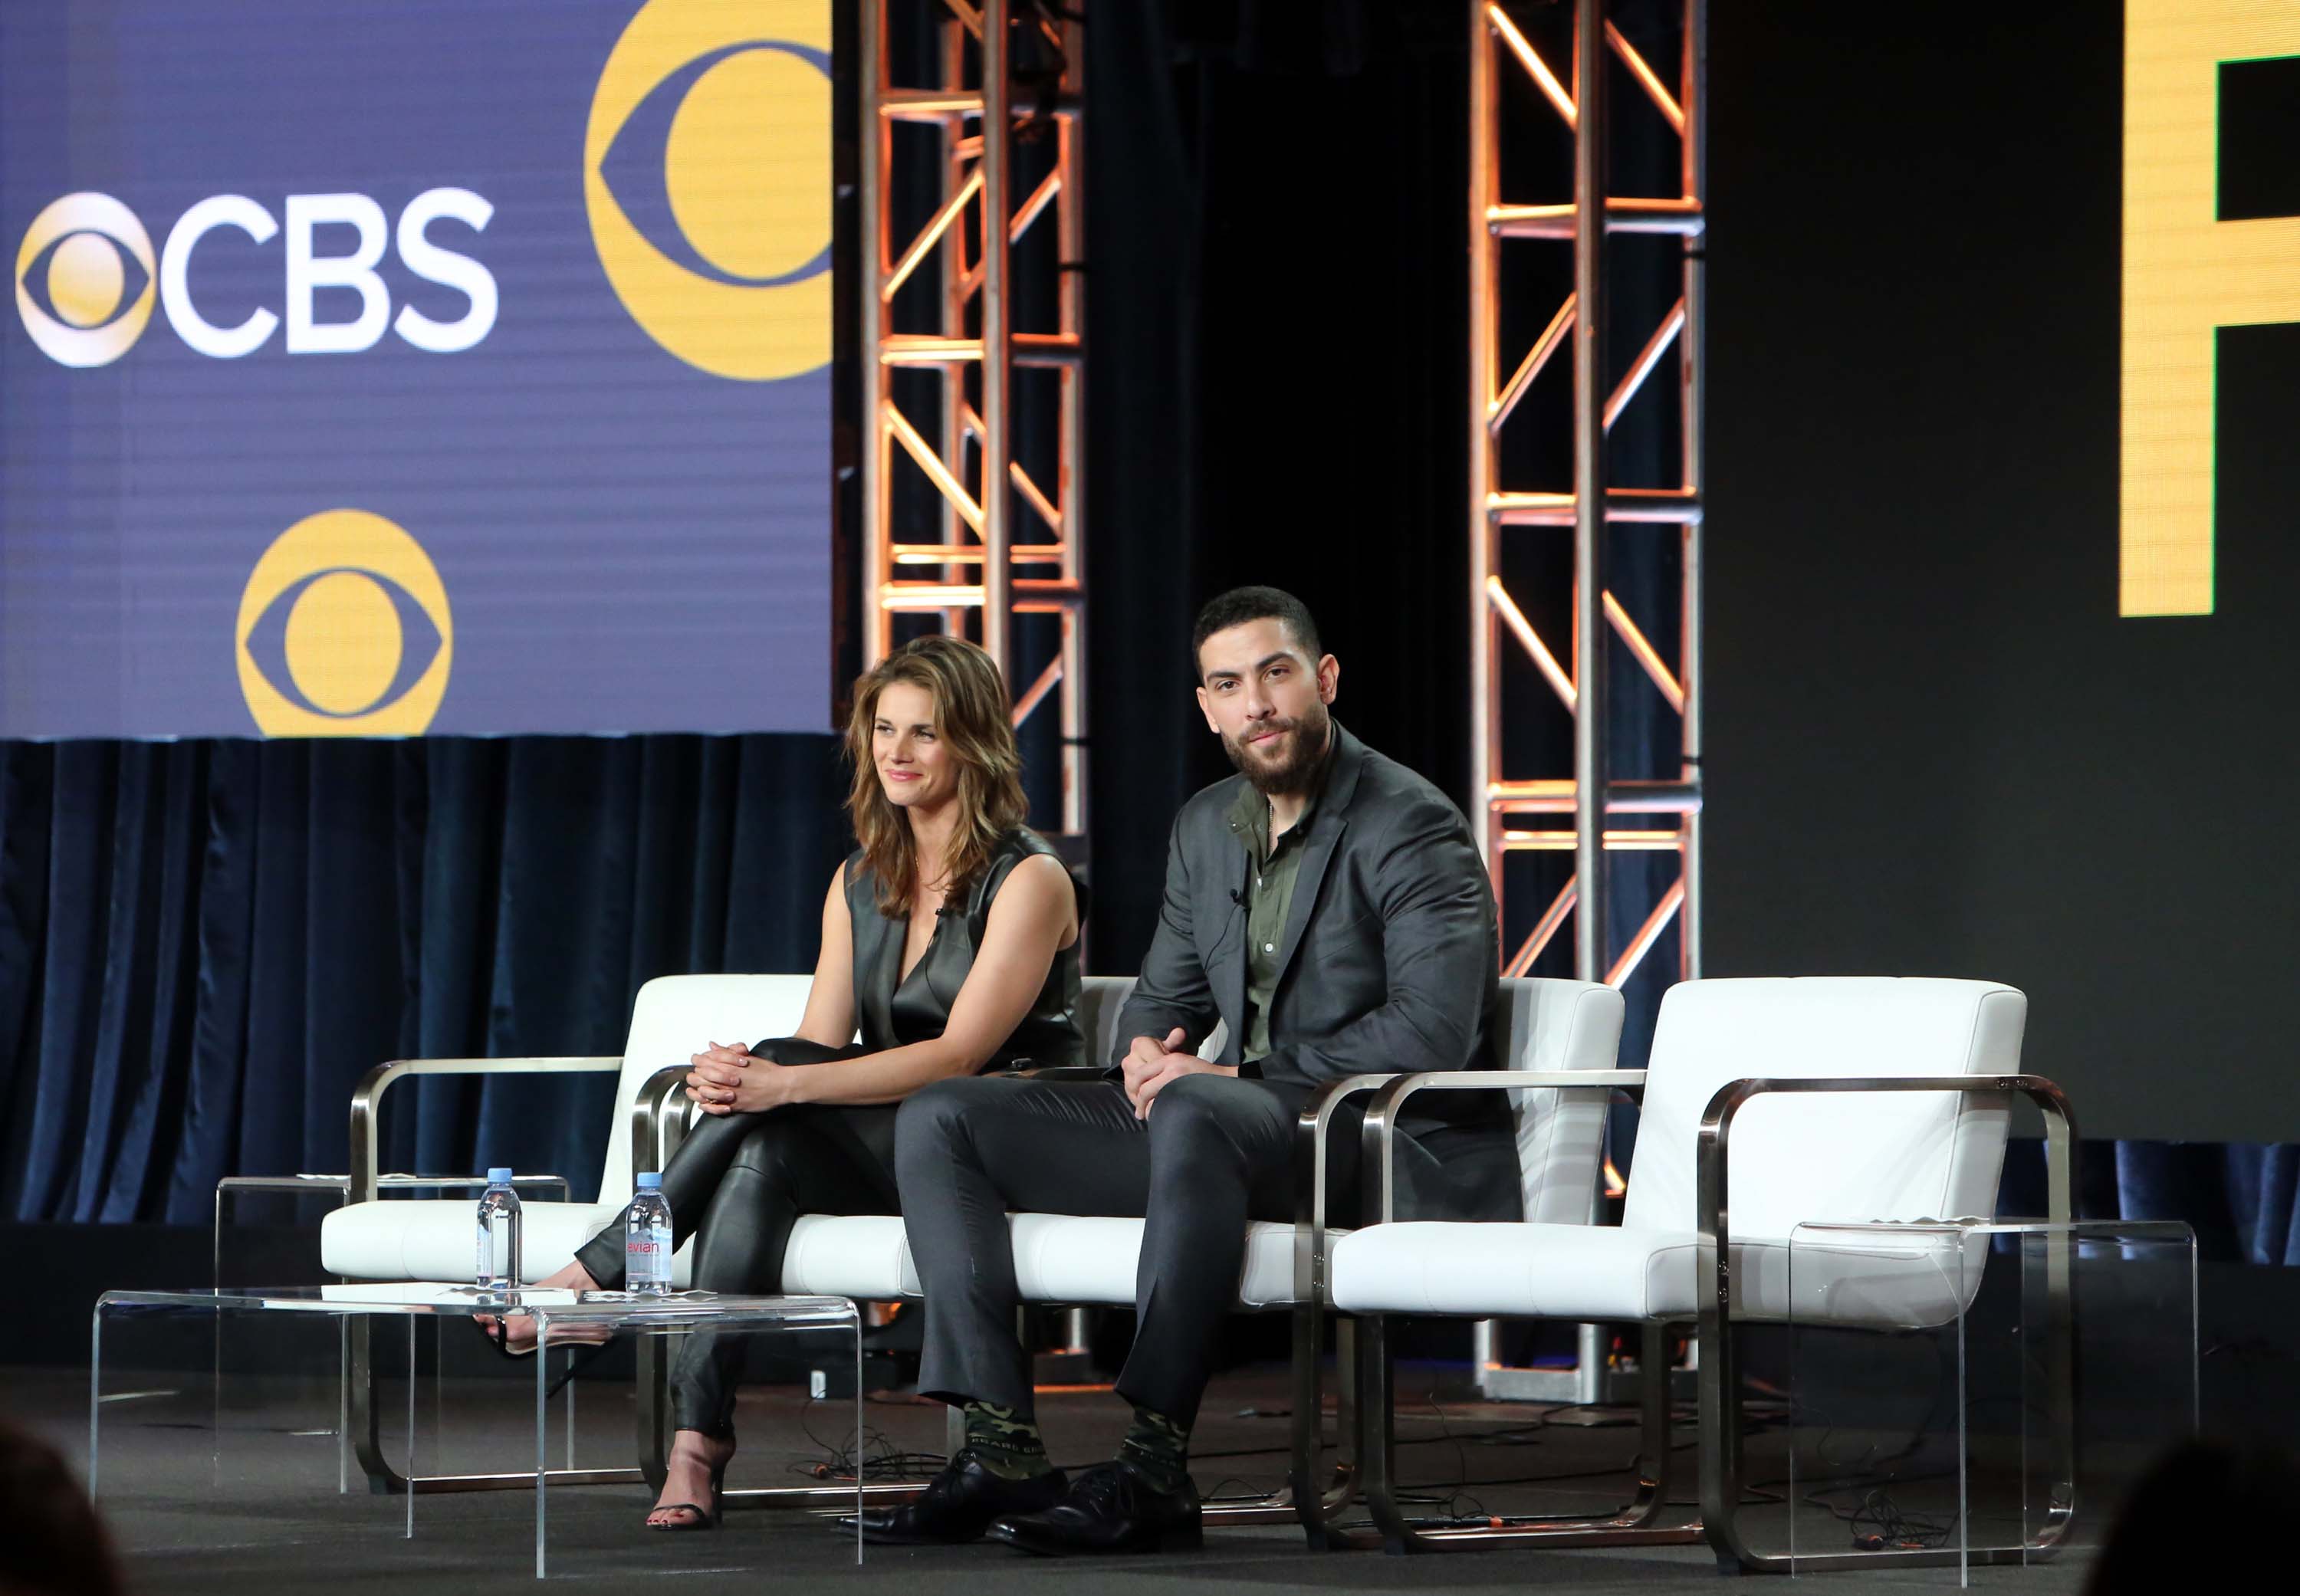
(950, 936)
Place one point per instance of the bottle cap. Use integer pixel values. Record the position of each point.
(499, 1175)
(651, 1181)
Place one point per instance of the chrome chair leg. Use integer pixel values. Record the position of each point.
(1632, 1525)
(364, 1417)
(1312, 1496)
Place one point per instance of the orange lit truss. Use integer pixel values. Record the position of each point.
(1569, 97)
(1006, 544)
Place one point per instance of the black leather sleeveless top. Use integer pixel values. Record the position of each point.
(896, 1011)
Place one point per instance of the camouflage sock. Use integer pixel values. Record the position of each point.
(1009, 1445)
(1159, 1447)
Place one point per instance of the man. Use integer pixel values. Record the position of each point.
(1328, 905)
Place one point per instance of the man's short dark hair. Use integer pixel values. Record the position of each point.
(1240, 605)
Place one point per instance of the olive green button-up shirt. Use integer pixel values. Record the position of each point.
(1268, 899)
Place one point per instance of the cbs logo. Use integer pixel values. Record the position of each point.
(78, 254)
(343, 631)
(706, 176)
(79, 251)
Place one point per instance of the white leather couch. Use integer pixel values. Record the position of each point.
(1059, 1258)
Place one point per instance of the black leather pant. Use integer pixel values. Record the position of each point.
(737, 1184)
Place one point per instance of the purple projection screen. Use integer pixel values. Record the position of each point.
(391, 366)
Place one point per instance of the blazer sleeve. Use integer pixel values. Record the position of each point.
(1172, 989)
(1435, 920)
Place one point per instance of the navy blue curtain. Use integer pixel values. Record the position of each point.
(203, 945)
(2243, 1198)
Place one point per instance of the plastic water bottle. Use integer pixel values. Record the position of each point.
(499, 1233)
(647, 1239)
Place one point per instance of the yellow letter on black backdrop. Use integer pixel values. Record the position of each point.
(2187, 273)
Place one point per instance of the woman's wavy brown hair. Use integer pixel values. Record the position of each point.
(972, 717)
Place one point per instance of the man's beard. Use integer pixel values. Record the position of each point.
(1294, 775)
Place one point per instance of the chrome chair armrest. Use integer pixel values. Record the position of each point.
(367, 1100)
(1310, 1179)
(1713, 1147)
(659, 1119)
(1380, 1133)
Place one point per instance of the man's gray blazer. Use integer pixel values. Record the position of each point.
(1388, 963)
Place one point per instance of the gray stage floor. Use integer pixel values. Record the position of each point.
(256, 1508)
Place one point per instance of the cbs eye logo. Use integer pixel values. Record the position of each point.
(343, 631)
(83, 256)
(706, 175)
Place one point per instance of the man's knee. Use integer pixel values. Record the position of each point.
(1192, 1108)
(932, 1120)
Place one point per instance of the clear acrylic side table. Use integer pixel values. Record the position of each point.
(1972, 1391)
(556, 1312)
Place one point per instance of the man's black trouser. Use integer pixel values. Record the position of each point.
(1215, 1152)
(737, 1184)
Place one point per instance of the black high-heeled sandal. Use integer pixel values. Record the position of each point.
(581, 1355)
(496, 1333)
(705, 1518)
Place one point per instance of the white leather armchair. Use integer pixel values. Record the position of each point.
(369, 1239)
(1564, 1031)
(1797, 1100)
(430, 1240)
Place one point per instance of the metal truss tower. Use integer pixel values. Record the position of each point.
(996, 540)
(1550, 107)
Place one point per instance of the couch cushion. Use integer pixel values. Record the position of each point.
(1604, 1272)
(862, 1256)
(437, 1238)
(1546, 1024)
(1087, 1262)
(1058, 1258)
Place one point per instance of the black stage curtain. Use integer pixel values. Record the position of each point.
(203, 945)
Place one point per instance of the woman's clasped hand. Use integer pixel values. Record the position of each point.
(729, 1080)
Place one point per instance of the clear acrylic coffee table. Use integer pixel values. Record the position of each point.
(560, 1315)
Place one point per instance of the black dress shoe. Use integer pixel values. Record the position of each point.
(958, 1506)
(1112, 1507)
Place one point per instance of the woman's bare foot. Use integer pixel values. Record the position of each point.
(518, 1328)
(695, 1460)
